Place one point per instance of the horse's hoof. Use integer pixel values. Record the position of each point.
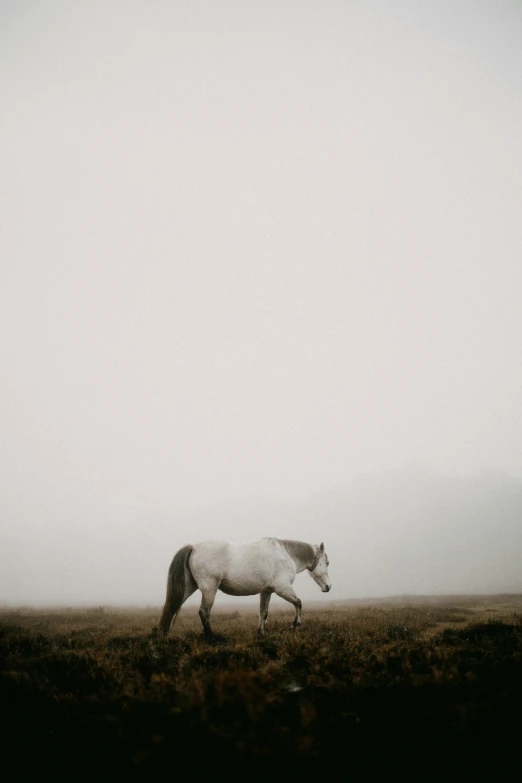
(215, 638)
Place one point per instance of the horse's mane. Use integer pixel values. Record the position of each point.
(300, 551)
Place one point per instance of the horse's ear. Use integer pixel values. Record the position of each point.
(321, 548)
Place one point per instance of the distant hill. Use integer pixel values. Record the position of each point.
(418, 533)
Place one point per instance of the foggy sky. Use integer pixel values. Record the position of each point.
(255, 255)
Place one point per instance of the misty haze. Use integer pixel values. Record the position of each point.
(261, 276)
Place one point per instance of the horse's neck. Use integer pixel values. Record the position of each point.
(301, 565)
(302, 554)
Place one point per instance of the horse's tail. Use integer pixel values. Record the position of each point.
(176, 587)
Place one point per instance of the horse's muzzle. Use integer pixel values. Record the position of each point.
(327, 588)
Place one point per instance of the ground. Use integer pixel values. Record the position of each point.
(417, 689)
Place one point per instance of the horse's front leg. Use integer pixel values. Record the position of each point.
(263, 611)
(288, 594)
(208, 595)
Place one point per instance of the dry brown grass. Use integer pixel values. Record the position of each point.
(95, 692)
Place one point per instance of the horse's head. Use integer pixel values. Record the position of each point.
(320, 571)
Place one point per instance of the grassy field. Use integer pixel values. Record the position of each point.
(420, 689)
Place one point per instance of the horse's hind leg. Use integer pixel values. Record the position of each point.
(288, 594)
(263, 611)
(208, 595)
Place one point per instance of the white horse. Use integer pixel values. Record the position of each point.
(263, 567)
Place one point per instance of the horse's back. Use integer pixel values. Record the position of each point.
(237, 568)
(229, 551)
